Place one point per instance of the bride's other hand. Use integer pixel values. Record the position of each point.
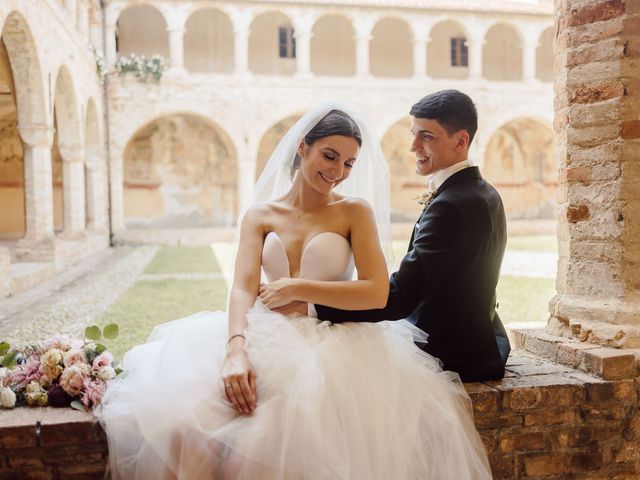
(239, 381)
(277, 293)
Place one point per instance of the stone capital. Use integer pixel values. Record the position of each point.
(36, 135)
(71, 153)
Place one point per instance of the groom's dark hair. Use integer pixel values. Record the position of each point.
(452, 109)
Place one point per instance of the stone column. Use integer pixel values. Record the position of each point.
(96, 193)
(475, 58)
(37, 244)
(241, 52)
(303, 36)
(420, 39)
(363, 29)
(110, 53)
(529, 46)
(116, 184)
(597, 97)
(73, 194)
(176, 50)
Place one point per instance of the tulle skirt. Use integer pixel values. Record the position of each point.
(354, 401)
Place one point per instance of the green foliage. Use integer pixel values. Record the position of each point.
(93, 332)
(4, 348)
(111, 331)
(142, 67)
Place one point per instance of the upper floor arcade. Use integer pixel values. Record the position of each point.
(338, 39)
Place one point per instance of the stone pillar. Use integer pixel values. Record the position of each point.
(176, 50)
(420, 39)
(73, 194)
(363, 41)
(116, 184)
(110, 53)
(303, 36)
(597, 97)
(37, 243)
(241, 52)
(529, 47)
(475, 58)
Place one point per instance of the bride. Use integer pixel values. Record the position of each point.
(263, 394)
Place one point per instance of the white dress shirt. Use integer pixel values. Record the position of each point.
(438, 178)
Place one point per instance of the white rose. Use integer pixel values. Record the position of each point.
(34, 387)
(7, 398)
(106, 373)
(51, 357)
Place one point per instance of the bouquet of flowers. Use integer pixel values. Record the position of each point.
(58, 372)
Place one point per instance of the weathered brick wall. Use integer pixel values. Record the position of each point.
(543, 421)
(597, 105)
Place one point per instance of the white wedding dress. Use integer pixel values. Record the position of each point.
(354, 401)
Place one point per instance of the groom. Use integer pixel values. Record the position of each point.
(446, 283)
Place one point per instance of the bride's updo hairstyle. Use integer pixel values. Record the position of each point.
(335, 122)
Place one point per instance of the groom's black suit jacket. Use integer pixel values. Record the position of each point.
(446, 283)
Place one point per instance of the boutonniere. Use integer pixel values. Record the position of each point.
(424, 199)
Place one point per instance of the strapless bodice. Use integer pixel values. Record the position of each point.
(327, 256)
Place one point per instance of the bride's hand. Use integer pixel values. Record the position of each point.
(239, 381)
(278, 293)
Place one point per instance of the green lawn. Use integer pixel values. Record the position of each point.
(524, 299)
(150, 303)
(184, 260)
(533, 243)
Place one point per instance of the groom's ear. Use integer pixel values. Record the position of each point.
(463, 139)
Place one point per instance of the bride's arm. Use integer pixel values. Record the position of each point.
(371, 288)
(237, 371)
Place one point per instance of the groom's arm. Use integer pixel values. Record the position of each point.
(436, 247)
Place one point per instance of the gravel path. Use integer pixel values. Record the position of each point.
(68, 308)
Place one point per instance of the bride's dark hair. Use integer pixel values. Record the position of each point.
(336, 122)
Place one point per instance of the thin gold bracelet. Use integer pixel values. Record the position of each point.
(234, 336)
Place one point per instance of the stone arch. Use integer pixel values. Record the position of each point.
(333, 46)
(519, 161)
(208, 42)
(390, 48)
(95, 169)
(447, 51)
(180, 170)
(12, 188)
(502, 53)
(405, 184)
(544, 56)
(272, 45)
(142, 29)
(27, 72)
(271, 138)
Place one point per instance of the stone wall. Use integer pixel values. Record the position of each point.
(543, 421)
(597, 100)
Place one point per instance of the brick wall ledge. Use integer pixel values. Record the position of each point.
(604, 362)
(542, 421)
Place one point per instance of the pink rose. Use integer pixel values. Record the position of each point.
(93, 392)
(60, 342)
(72, 379)
(74, 357)
(103, 360)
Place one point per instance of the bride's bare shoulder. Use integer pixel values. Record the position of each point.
(259, 214)
(354, 206)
